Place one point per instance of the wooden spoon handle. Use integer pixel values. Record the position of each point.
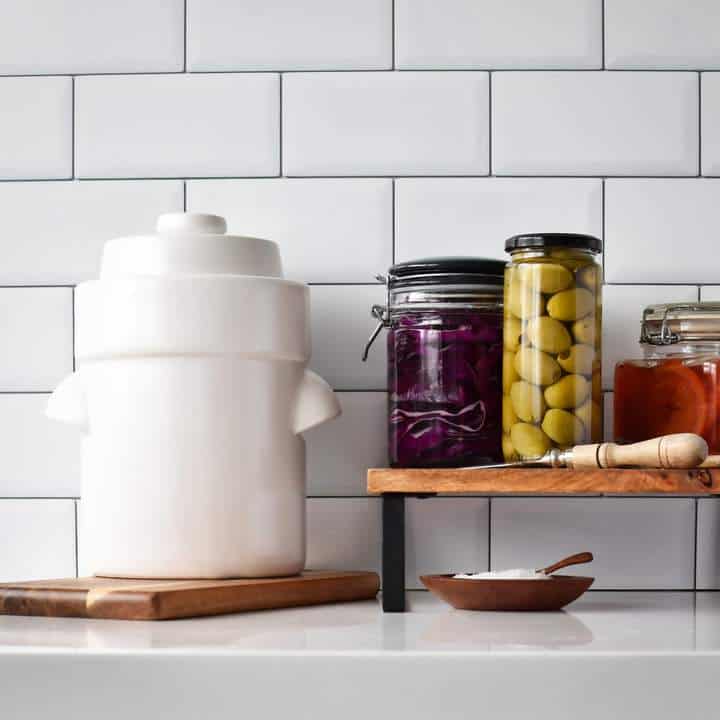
(681, 450)
(577, 559)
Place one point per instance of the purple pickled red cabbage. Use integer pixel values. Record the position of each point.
(445, 381)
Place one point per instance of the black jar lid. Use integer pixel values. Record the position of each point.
(531, 241)
(447, 271)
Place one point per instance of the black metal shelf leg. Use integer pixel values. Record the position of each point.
(393, 552)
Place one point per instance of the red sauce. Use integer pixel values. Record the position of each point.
(665, 396)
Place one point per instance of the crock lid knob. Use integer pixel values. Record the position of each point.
(191, 223)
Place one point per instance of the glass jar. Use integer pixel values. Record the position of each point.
(675, 386)
(444, 346)
(552, 388)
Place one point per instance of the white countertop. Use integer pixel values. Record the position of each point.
(611, 654)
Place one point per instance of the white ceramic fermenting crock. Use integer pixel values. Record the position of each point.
(192, 392)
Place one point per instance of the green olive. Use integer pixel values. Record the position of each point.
(508, 449)
(529, 440)
(571, 304)
(562, 427)
(509, 375)
(578, 359)
(584, 330)
(546, 277)
(536, 366)
(523, 301)
(588, 277)
(590, 413)
(527, 401)
(511, 333)
(568, 392)
(509, 416)
(548, 335)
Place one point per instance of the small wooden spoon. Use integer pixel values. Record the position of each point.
(577, 559)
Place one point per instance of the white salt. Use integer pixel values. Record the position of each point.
(514, 574)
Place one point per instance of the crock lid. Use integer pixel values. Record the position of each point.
(191, 244)
(447, 271)
(672, 323)
(532, 241)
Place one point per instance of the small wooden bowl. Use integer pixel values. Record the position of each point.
(526, 595)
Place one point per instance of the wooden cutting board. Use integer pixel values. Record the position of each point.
(119, 599)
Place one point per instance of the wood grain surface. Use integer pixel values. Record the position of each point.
(543, 481)
(122, 599)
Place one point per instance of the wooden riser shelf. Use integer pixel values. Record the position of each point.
(543, 481)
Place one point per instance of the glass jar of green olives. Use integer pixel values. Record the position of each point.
(552, 392)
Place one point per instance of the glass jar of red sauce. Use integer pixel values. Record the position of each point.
(675, 387)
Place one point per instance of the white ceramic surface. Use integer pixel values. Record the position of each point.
(263, 35)
(626, 656)
(38, 539)
(710, 140)
(341, 324)
(648, 34)
(36, 338)
(375, 123)
(560, 123)
(36, 127)
(178, 125)
(474, 216)
(494, 34)
(86, 36)
(637, 542)
(191, 392)
(643, 245)
(39, 458)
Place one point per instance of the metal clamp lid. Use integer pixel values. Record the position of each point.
(672, 323)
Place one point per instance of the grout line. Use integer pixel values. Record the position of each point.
(695, 547)
(77, 564)
(392, 36)
(184, 195)
(603, 255)
(280, 126)
(375, 176)
(699, 124)
(72, 310)
(72, 127)
(602, 32)
(489, 553)
(393, 219)
(270, 70)
(39, 497)
(185, 27)
(490, 124)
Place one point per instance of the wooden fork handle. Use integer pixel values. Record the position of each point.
(577, 559)
(681, 450)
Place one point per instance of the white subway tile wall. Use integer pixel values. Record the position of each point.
(36, 128)
(560, 123)
(410, 123)
(648, 34)
(177, 125)
(356, 133)
(281, 35)
(328, 230)
(498, 34)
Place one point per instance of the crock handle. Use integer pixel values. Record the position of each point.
(68, 403)
(316, 403)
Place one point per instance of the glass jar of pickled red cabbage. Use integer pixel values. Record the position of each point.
(444, 348)
(552, 388)
(675, 386)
